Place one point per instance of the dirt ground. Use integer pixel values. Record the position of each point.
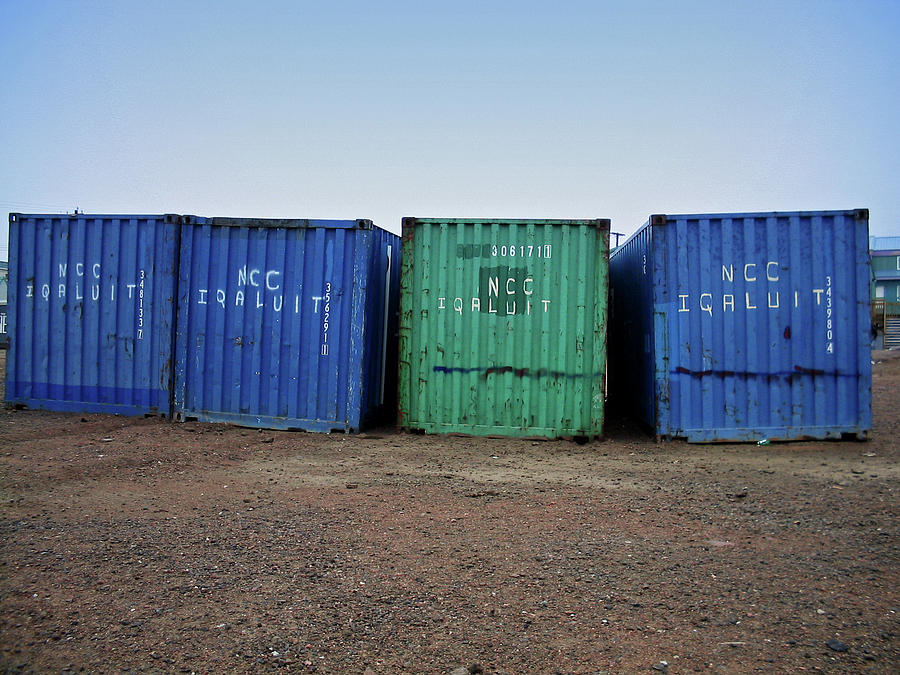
(140, 545)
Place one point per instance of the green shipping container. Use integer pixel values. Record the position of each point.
(503, 327)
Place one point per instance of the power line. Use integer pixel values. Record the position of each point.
(33, 205)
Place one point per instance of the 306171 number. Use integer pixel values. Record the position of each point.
(522, 250)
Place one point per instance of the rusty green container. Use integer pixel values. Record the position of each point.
(503, 327)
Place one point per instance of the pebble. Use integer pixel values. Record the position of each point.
(837, 645)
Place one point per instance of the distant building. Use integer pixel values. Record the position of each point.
(885, 256)
(886, 275)
(4, 281)
(4, 285)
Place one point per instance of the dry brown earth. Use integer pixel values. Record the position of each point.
(146, 546)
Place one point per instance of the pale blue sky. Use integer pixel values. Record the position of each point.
(504, 109)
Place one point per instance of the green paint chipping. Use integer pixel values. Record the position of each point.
(503, 327)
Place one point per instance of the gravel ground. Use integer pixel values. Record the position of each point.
(146, 546)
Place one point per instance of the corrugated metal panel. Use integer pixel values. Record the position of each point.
(631, 377)
(503, 326)
(284, 323)
(91, 312)
(886, 275)
(884, 243)
(745, 326)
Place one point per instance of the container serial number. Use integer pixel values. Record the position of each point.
(829, 320)
(522, 251)
(326, 316)
(467, 251)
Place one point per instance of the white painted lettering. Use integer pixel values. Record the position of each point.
(203, 292)
(777, 300)
(63, 268)
(242, 276)
(29, 291)
(78, 295)
(747, 301)
(796, 298)
(277, 302)
(494, 286)
(772, 276)
(706, 305)
(727, 302)
(528, 280)
(239, 299)
(728, 273)
(509, 281)
(269, 283)
(513, 310)
(254, 278)
(683, 307)
(45, 292)
(476, 304)
(130, 288)
(491, 309)
(220, 297)
(96, 270)
(747, 276)
(259, 302)
(316, 299)
(95, 292)
(546, 305)
(441, 303)
(62, 290)
(458, 305)
(818, 293)
(79, 269)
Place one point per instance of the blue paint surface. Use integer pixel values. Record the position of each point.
(743, 326)
(287, 324)
(91, 312)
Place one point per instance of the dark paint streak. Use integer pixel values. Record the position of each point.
(744, 375)
(518, 372)
(810, 371)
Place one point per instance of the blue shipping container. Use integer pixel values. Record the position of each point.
(91, 313)
(287, 324)
(744, 326)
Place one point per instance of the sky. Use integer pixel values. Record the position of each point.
(386, 109)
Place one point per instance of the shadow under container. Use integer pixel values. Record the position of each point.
(503, 327)
(91, 312)
(744, 326)
(287, 324)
